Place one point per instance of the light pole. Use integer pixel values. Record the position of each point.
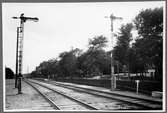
(19, 49)
(113, 78)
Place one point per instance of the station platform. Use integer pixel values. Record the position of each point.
(28, 100)
(117, 91)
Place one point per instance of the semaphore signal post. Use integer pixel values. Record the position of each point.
(19, 50)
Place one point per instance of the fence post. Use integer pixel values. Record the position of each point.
(137, 86)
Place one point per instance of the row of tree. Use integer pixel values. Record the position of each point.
(137, 57)
(76, 63)
(147, 50)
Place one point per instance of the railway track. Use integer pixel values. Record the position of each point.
(144, 103)
(147, 104)
(59, 100)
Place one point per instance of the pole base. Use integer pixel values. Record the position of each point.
(20, 93)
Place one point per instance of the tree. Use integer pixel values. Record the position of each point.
(149, 45)
(95, 60)
(120, 51)
(149, 22)
(75, 63)
(9, 73)
(68, 63)
(97, 43)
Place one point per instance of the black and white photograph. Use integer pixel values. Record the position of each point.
(84, 56)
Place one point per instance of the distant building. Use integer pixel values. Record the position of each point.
(151, 73)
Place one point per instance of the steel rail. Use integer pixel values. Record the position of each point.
(71, 98)
(148, 100)
(128, 99)
(45, 97)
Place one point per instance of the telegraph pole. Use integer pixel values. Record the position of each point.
(113, 77)
(19, 49)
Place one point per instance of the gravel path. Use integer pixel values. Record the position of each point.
(29, 100)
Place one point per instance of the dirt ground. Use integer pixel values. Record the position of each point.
(29, 100)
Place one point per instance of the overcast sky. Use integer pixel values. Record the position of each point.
(61, 26)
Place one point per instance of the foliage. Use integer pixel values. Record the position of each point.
(149, 45)
(145, 53)
(75, 63)
(147, 50)
(9, 73)
(149, 22)
(120, 52)
(68, 63)
(95, 60)
(98, 42)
